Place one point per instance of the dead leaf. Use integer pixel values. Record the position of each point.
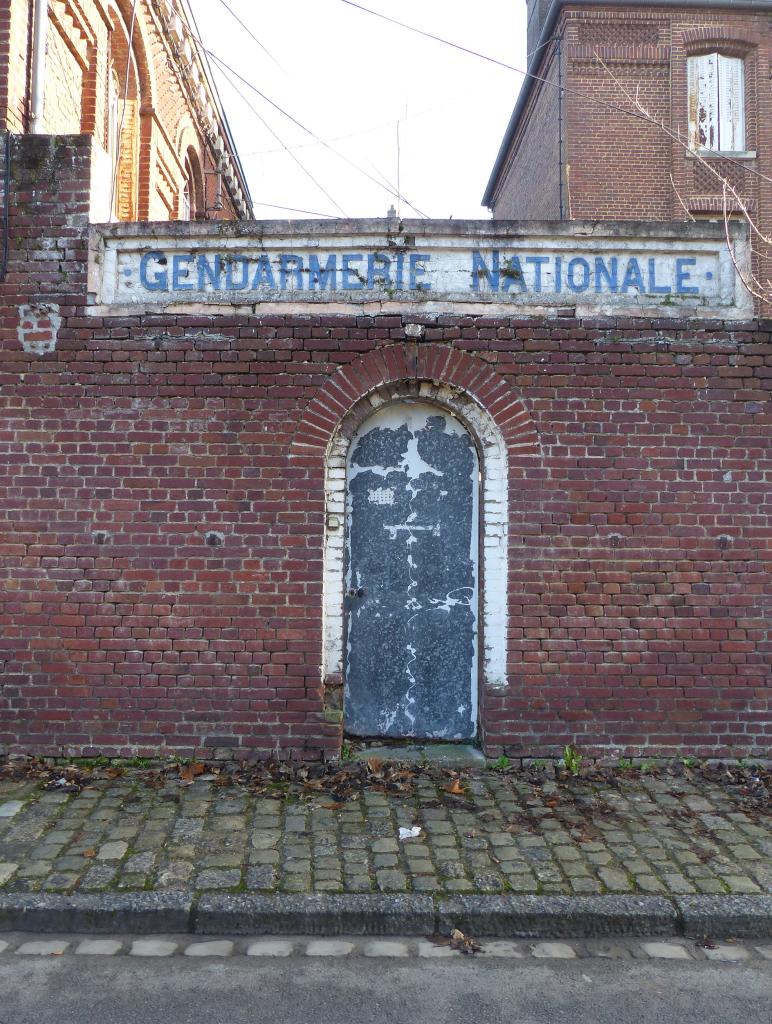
(455, 788)
(192, 771)
(465, 943)
(90, 853)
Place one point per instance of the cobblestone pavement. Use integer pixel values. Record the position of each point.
(644, 833)
(398, 948)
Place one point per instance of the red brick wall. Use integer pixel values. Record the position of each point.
(160, 125)
(15, 18)
(620, 166)
(617, 164)
(637, 532)
(536, 156)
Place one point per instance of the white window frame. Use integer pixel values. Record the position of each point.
(716, 85)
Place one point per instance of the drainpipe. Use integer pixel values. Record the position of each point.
(561, 152)
(39, 34)
(6, 205)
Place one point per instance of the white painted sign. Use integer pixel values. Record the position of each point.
(636, 269)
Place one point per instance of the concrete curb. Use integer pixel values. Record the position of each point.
(558, 917)
(316, 914)
(136, 913)
(531, 917)
(743, 917)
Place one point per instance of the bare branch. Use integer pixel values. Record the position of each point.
(687, 211)
(750, 282)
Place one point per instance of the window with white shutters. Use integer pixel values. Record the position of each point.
(717, 103)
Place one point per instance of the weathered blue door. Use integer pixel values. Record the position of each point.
(411, 576)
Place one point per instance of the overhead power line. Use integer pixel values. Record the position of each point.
(430, 35)
(388, 188)
(251, 34)
(452, 102)
(228, 72)
(293, 209)
(606, 104)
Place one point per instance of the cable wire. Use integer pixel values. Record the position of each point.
(430, 35)
(226, 67)
(250, 33)
(294, 209)
(228, 72)
(608, 105)
(389, 187)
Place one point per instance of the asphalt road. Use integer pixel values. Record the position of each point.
(98, 990)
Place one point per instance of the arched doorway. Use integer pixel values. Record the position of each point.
(411, 575)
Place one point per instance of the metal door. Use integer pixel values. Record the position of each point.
(411, 576)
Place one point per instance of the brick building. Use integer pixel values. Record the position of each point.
(131, 77)
(215, 438)
(575, 147)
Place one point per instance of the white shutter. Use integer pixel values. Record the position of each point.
(707, 100)
(693, 68)
(731, 91)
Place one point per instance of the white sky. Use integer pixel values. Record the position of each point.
(341, 72)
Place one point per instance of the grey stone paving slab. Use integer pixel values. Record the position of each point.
(10, 808)
(113, 851)
(500, 947)
(731, 954)
(553, 950)
(386, 948)
(666, 950)
(221, 947)
(270, 947)
(7, 871)
(432, 951)
(153, 947)
(43, 947)
(329, 947)
(99, 947)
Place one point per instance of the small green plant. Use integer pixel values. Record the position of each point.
(539, 764)
(572, 760)
(346, 751)
(500, 764)
(624, 764)
(690, 762)
(646, 766)
(137, 762)
(90, 762)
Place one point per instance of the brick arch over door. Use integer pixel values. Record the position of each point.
(416, 362)
(496, 418)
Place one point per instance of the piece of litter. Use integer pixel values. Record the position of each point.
(410, 833)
